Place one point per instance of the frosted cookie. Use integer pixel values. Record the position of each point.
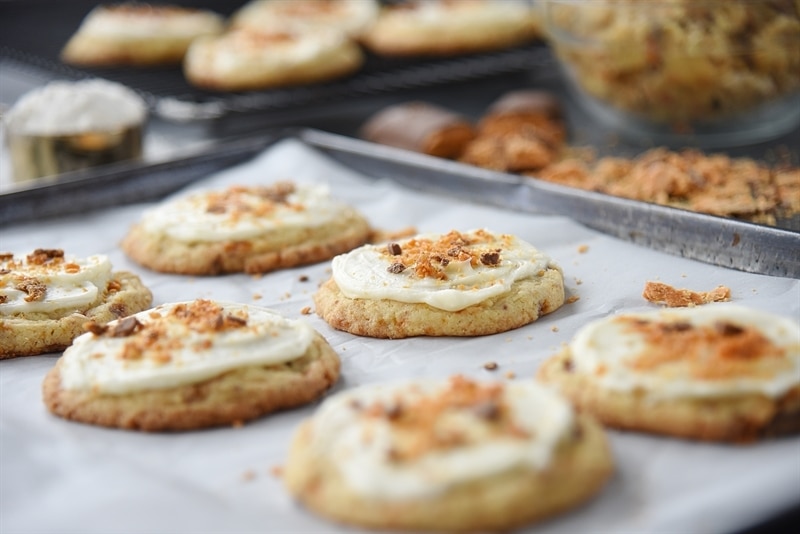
(188, 365)
(446, 456)
(351, 17)
(47, 296)
(447, 27)
(245, 60)
(718, 372)
(456, 284)
(138, 34)
(252, 229)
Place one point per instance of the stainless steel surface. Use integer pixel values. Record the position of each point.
(725, 242)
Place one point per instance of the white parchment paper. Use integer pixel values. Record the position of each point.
(61, 476)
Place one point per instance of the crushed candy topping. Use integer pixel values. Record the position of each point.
(428, 258)
(716, 351)
(418, 424)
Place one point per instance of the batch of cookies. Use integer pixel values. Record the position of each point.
(454, 454)
(274, 43)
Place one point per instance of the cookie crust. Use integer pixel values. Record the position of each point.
(284, 248)
(231, 398)
(29, 335)
(527, 300)
(580, 467)
(738, 419)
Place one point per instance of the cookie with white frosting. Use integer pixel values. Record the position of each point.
(251, 229)
(447, 27)
(188, 365)
(249, 60)
(447, 456)
(351, 17)
(46, 296)
(455, 284)
(138, 34)
(718, 372)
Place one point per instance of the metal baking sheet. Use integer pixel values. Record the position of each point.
(719, 241)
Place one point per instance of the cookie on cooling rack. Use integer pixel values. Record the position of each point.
(718, 372)
(189, 365)
(447, 28)
(138, 34)
(252, 229)
(351, 17)
(455, 284)
(447, 456)
(46, 297)
(248, 60)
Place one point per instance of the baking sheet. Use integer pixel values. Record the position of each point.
(59, 476)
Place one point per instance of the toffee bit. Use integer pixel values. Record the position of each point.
(303, 278)
(95, 328)
(5, 271)
(394, 249)
(396, 268)
(234, 321)
(113, 286)
(677, 327)
(728, 329)
(568, 365)
(125, 327)
(276, 471)
(216, 208)
(248, 475)
(490, 366)
(454, 251)
(511, 375)
(306, 310)
(4, 256)
(3, 299)
(573, 298)
(34, 288)
(43, 255)
(393, 412)
(490, 258)
(488, 410)
(355, 404)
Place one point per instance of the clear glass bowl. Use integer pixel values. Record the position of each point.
(700, 72)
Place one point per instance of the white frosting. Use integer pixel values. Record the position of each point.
(464, 14)
(62, 108)
(362, 273)
(72, 283)
(188, 219)
(606, 347)
(349, 16)
(359, 446)
(283, 48)
(128, 21)
(96, 362)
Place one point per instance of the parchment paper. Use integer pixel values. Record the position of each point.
(61, 476)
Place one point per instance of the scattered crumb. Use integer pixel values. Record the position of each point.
(306, 310)
(257, 276)
(583, 249)
(257, 296)
(660, 293)
(509, 339)
(490, 366)
(578, 281)
(286, 296)
(530, 338)
(573, 298)
(303, 278)
(554, 329)
(511, 375)
(248, 475)
(276, 471)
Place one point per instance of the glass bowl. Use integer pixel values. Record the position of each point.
(699, 72)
